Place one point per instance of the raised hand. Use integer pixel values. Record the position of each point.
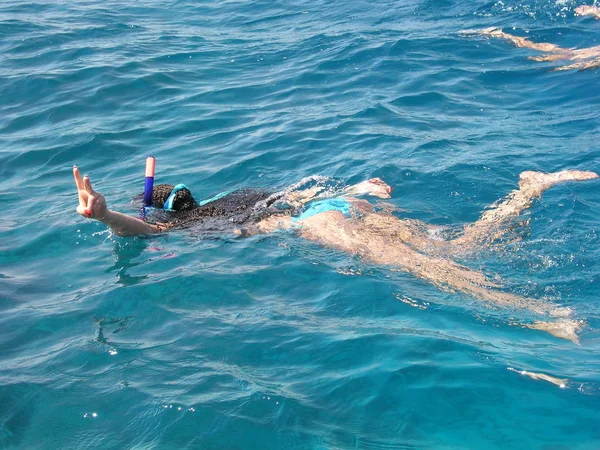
(91, 203)
(93, 206)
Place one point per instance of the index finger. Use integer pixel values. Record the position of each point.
(87, 185)
(78, 180)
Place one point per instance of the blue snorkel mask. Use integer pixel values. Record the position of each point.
(171, 198)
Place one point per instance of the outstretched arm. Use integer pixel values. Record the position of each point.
(93, 206)
(375, 187)
(517, 40)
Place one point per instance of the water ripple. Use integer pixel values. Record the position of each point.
(270, 342)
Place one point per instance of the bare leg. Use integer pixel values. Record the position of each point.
(585, 10)
(582, 65)
(586, 53)
(384, 239)
(364, 238)
(492, 223)
(581, 53)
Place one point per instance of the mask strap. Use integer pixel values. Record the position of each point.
(169, 203)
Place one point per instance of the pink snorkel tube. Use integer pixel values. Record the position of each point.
(149, 183)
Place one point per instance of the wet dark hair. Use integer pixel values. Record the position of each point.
(239, 207)
(183, 200)
(236, 208)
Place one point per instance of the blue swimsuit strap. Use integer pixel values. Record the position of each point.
(216, 197)
(330, 204)
(169, 202)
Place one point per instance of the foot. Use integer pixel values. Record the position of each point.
(563, 329)
(375, 187)
(539, 181)
(560, 382)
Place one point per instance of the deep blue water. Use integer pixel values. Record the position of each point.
(272, 342)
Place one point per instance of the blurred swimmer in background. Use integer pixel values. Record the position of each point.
(584, 58)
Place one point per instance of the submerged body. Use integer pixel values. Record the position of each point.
(353, 226)
(585, 58)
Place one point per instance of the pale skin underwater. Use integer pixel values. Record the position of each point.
(584, 58)
(381, 238)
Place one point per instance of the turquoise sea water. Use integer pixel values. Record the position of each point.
(271, 342)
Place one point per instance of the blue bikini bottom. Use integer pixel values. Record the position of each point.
(329, 204)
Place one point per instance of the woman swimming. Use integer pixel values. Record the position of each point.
(239, 210)
(354, 226)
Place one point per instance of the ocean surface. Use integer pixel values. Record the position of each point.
(273, 342)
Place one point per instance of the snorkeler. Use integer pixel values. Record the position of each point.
(586, 58)
(238, 208)
(355, 226)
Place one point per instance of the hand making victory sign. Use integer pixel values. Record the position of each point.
(93, 206)
(91, 203)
